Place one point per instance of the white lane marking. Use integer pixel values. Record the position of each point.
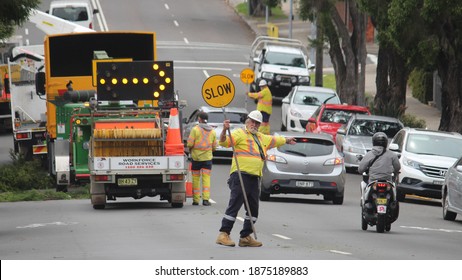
(206, 73)
(281, 236)
(434, 229)
(48, 224)
(339, 252)
(211, 62)
(26, 30)
(212, 201)
(100, 15)
(27, 42)
(208, 68)
(166, 7)
(186, 40)
(176, 23)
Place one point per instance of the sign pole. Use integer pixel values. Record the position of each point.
(247, 77)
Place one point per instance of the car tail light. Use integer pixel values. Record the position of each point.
(101, 178)
(275, 158)
(22, 135)
(334, 161)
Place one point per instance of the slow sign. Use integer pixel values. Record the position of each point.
(218, 91)
(247, 76)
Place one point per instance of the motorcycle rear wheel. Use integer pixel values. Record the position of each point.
(363, 223)
(381, 221)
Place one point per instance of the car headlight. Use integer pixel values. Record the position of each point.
(293, 80)
(267, 75)
(295, 113)
(304, 79)
(411, 163)
(278, 78)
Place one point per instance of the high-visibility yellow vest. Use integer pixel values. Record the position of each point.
(202, 143)
(247, 151)
(265, 100)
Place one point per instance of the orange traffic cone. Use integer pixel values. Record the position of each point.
(173, 143)
(189, 182)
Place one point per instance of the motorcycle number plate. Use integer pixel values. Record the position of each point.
(381, 209)
(381, 201)
(127, 182)
(304, 184)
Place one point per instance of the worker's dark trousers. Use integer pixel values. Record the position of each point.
(236, 200)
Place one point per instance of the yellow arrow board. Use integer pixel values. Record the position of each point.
(218, 91)
(247, 76)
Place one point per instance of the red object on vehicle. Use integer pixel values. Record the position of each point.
(328, 118)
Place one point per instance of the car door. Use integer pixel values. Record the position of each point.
(285, 105)
(455, 189)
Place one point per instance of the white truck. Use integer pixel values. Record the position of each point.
(282, 62)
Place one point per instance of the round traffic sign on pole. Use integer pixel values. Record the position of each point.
(247, 76)
(218, 91)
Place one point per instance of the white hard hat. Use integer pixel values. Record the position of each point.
(262, 83)
(256, 116)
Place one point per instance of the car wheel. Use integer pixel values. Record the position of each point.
(337, 200)
(283, 127)
(400, 196)
(264, 196)
(447, 215)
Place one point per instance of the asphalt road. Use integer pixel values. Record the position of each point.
(205, 37)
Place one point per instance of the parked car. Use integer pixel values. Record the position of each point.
(355, 137)
(301, 103)
(311, 166)
(237, 116)
(78, 11)
(451, 191)
(425, 158)
(328, 118)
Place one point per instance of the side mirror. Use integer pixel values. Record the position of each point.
(256, 60)
(312, 120)
(285, 100)
(40, 83)
(341, 130)
(184, 120)
(394, 147)
(95, 11)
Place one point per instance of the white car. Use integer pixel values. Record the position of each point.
(77, 11)
(452, 192)
(425, 158)
(302, 101)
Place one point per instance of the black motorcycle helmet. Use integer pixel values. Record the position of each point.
(380, 139)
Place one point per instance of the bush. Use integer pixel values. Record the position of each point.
(421, 83)
(413, 121)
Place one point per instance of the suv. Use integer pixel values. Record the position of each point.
(425, 158)
(77, 11)
(282, 62)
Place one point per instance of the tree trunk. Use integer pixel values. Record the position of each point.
(257, 8)
(391, 81)
(451, 91)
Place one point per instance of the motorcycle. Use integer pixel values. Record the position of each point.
(379, 206)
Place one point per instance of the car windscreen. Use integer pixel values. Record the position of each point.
(315, 98)
(71, 13)
(218, 117)
(434, 145)
(308, 147)
(338, 116)
(285, 59)
(370, 127)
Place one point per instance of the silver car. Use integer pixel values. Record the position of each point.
(237, 116)
(355, 137)
(451, 191)
(311, 166)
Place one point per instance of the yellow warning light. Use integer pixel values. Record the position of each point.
(135, 81)
(124, 81)
(161, 87)
(155, 66)
(161, 73)
(145, 80)
(156, 94)
(114, 81)
(168, 80)
(77, 121)
(102, 81)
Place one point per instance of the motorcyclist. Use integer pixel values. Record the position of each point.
(379, 163)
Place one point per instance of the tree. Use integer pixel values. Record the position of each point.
(392, 69)
(258, 7)
(14, 13)
(347, 48)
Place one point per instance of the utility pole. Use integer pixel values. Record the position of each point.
(291, 16)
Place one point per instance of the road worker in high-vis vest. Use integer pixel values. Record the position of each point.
(264, 105)
(202, 141)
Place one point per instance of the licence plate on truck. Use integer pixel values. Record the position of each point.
(304, 184)
(127, 181)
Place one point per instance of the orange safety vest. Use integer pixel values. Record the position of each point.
(202, 143)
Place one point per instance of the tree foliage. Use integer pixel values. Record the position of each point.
(13, 13)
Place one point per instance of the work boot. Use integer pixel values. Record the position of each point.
(248, 241)
(195, 203)
(224, 239)
(206, 203)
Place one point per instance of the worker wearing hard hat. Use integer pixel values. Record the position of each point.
(264, 105)
(202, 141)
(250, 148)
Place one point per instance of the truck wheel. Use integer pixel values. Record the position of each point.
(177, 205)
